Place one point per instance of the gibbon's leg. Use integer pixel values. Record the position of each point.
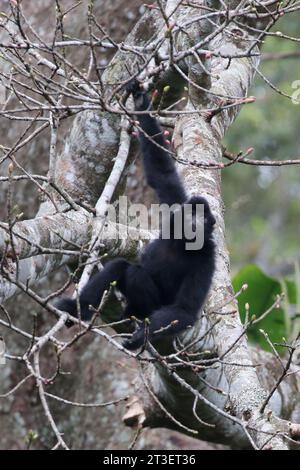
(142, 294)
(174, 318)
(92, 292)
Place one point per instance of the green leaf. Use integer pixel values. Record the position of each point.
(260, 295)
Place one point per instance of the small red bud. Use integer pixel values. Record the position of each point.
(250, 99)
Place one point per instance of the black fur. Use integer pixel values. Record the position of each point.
(169, 284)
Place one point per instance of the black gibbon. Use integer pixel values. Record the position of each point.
(169, 283)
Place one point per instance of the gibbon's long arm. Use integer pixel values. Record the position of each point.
(160, 170)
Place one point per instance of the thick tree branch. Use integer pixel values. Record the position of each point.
(199, 140)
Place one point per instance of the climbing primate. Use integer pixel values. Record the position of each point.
(168, 285)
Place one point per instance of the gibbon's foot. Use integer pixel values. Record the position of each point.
(67, 305)
(70, 306)
(136, 341)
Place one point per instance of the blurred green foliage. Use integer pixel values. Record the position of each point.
(262, 293)
(263, 204)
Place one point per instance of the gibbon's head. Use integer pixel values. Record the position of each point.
(192, 223)
(203, 216)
